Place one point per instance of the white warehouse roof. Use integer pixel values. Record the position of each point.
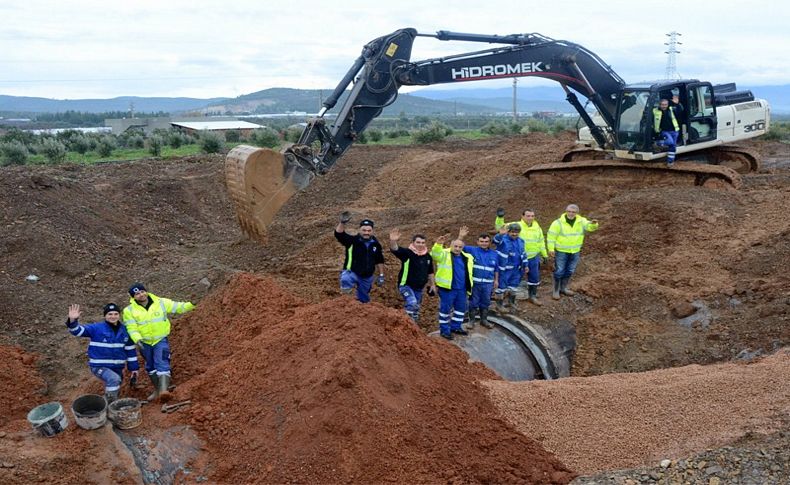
(216, 125)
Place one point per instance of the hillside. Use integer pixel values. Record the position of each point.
(25, 104)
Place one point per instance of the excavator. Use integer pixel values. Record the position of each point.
(618, 135)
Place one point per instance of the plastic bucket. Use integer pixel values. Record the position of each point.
(49, 419)
(90, 411)
(125, 413)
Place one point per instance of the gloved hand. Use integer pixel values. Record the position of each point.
(345, 216)
(380, 280)
(189, 306)
(500, 212)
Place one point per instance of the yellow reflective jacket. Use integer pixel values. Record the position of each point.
(152, 325)
(444, 267)
(657, 119)
(565, 238)
(534, 242)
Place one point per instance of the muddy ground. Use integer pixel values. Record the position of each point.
(678, 274)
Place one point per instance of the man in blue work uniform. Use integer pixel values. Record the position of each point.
(363, 257)
(110, 348)
(485, 276)
(513, 264)
(454, 279)
(416, 271)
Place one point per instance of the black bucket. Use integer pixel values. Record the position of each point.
(90, 411)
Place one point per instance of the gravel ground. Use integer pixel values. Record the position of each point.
(620, 421)
(753, 460)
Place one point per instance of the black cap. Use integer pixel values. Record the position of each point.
(136, 288)
(365, 222)
(111, 307)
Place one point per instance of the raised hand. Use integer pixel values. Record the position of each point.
(345, 216)
(443, 238)
(74, 312)
(395, 234)
(463, 232)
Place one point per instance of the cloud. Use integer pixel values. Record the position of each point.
(201, 48)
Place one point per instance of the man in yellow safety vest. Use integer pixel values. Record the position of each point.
(564, 241)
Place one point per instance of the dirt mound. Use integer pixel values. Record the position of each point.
(342, 392)
(627, 420)
(21, 386)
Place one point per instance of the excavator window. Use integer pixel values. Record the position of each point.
(631, 110)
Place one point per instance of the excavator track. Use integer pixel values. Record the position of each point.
(701, 173)
(740, 159)
(259, 182)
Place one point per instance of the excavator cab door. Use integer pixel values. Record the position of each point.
(701, 123)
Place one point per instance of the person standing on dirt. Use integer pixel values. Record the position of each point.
(109, 350)
(454, 279)
(416, 271)
(666, 128)
(534, 245)
(565, 239)
(512, 265)
(146, 321)
(364, 256)
(485, 276)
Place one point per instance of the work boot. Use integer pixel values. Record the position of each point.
(472, 317)
(448, 336)
(155, 381)
(564, 287)
(533, 296)
(164, 392)
(513, 302)
(556, 293)
(500, 302)
(484, 318)
(110, 396)
(459, 331)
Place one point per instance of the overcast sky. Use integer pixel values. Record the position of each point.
(101, 49)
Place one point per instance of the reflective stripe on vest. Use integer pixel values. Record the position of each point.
(405, 272)
(657, 119)
(348, 257)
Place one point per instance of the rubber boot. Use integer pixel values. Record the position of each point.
(533, 295)
(556, 293)
(110, 396)
(564, 287)
(155, 381)
(164, 392)
(484, 318)
(472, 317)
(513, 302)
(500, 302)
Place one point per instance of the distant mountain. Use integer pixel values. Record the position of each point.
(777, 96)
(281, 100)
(24, 104)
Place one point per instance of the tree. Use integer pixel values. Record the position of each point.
(265, 137)
(54, 150)
(155, 145)
(211, 142)
(232, 135)
(106, 146)
(14, 152)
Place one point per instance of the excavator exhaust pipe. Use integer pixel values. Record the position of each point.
(260, 181)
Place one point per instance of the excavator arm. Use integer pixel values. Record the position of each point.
(261, 180)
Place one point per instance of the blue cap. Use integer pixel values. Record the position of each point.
(136, 288)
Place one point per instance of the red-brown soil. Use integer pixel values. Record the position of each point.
(341, 392)
(90, 231)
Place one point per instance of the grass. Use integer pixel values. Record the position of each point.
(125, 154)
(407, 140)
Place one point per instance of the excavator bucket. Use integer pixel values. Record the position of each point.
(260, 181)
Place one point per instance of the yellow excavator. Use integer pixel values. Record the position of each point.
(619, 135)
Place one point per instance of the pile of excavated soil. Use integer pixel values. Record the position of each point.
(341, 392)
(628, 420)
(21, 386)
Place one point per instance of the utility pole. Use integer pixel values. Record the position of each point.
(515, 103)
(672, 72)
